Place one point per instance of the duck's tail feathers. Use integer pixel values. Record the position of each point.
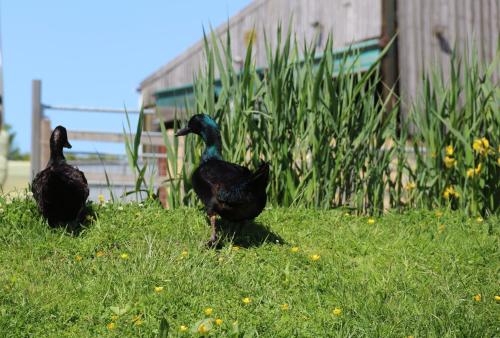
(261, 175)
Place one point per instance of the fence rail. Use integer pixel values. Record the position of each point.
(150, 138)
(95, 109)
(121, 176)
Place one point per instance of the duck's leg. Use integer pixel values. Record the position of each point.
(213, 237)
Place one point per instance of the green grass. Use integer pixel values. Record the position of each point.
(397, 277)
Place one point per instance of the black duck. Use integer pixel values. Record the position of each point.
(60, 190)
(229, 190)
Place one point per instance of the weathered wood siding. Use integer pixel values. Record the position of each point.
(349, 21)
(466, 24)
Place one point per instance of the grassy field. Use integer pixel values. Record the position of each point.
(293, 273)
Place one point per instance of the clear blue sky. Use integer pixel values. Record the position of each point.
(93, 53)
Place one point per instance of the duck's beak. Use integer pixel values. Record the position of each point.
(67, 145)
(183, 131)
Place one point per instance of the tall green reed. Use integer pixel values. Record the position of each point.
(331, 138)
(457, 137)
(144, 179)
(323, 135)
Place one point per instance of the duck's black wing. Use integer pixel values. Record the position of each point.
(247, 189)
(37, 187)
(230, 190)
(215, 175)
(61, 192)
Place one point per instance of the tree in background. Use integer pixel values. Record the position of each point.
(14, 151)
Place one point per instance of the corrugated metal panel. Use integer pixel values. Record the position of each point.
(350, 21)
(429, 28)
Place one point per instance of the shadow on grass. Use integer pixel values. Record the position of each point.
(246, 234)
(85, 219)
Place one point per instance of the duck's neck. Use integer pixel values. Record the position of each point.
(56, 154)
(213, 144)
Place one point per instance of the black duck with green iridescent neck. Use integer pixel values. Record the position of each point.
(226, 189)
(60, 190)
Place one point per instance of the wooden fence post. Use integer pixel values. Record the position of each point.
(36, 116)
(45, 132)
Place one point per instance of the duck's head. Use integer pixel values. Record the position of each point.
(200, 124)
(59, 138)
(204, 126)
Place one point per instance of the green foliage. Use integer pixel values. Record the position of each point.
(331, 138)
(144, 179)
(14, 151)
(457, 138)
(324, 136)
(334, 141)
(412, 274)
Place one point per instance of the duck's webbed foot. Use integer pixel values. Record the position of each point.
(213, 237)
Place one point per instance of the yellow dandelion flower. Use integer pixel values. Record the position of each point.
(124, 256)
(101, 198)
(479, 219)
(371, 221)
(315, 257)
(441, 228)
(470, 172)
(450, 192)
(78, 258)
(99, 253)
(337, 311)
(158, 289)
(235, 248)
(481, 146)
(202, 329)
(218, 321)
(114, 318)
(497, 298)
(449, 162)
(410, 186)
(284, 307)
(137, 320)
(477, 145)
(183, 328)
(111, 326)
(208, 311)
(439, 213)
(246, 300)
(294, 249)
(485, 142)
(477, 170)
(449, 150)
(184, 253)
(477, 297)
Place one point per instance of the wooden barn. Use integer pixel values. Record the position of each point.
(427, 31)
